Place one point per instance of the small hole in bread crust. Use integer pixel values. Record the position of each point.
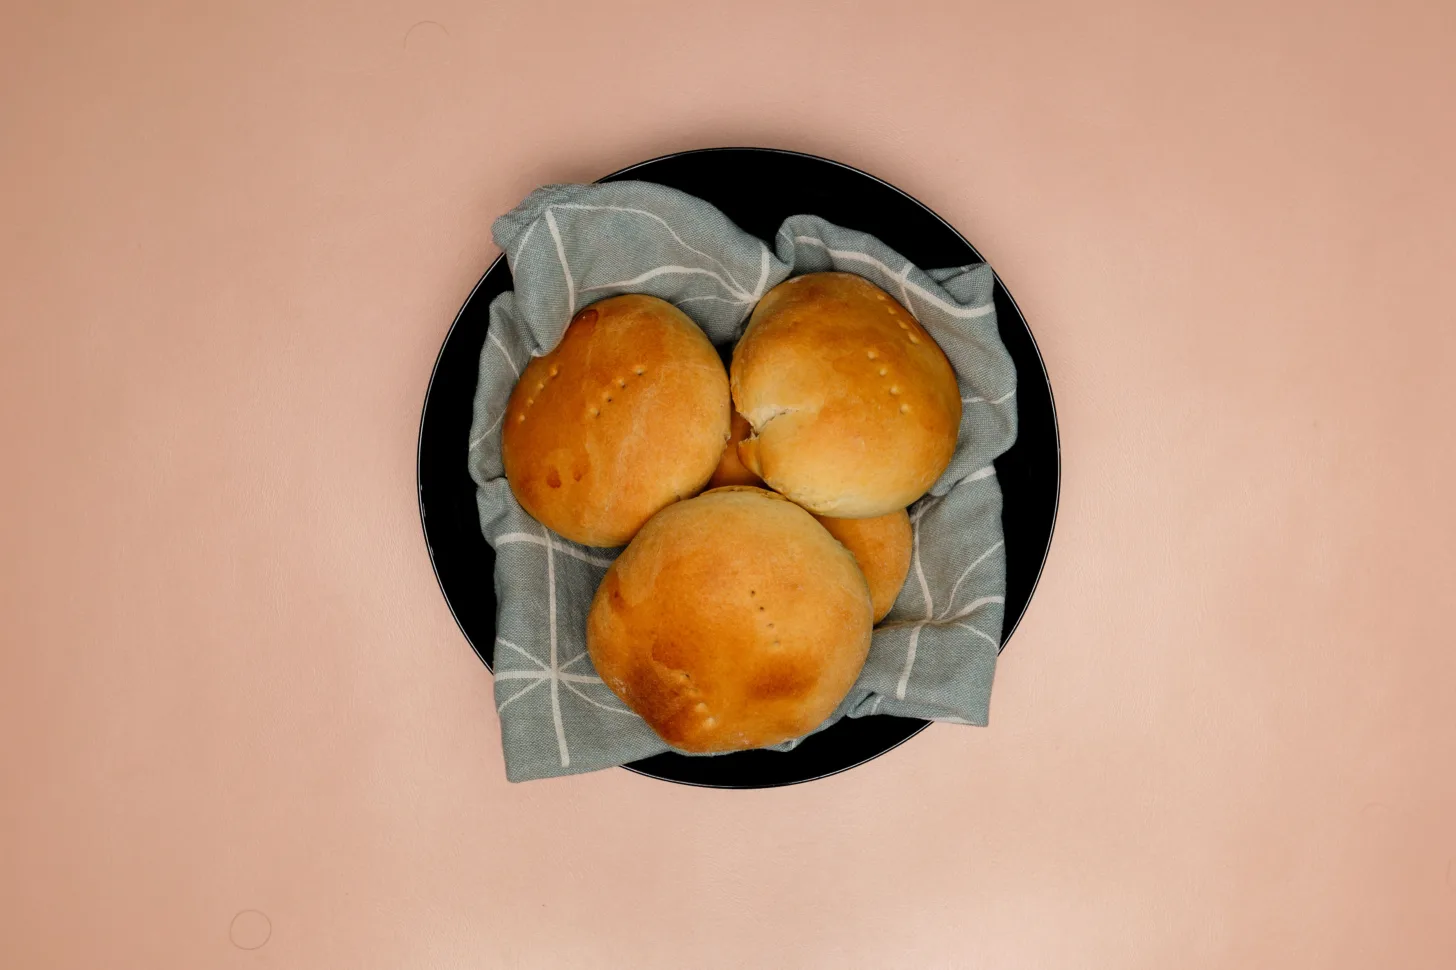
(883, 372)
(553, 371)
(609, 399)
(621, 382)
(639, 370)
(894, 388)
(593, 411)
(913, 339)
(520, 418)
(872, 354)
(904, 409)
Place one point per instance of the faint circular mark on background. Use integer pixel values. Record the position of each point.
(427, 37)
(250, 929)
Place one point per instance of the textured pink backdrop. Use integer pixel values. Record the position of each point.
(234, 709)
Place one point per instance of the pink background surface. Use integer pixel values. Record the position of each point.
(234, 708)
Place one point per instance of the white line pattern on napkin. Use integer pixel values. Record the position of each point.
(964, 313)
(744, 297)
(981, 400)
(507, 538)
(565, 272)
(736, 287)
(913, 644)
(957, 587)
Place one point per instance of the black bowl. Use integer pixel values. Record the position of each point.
(757, 188)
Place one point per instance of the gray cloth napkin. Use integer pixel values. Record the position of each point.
(570, 245)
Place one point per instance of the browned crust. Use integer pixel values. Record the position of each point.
(882, 547)
(732, 621)
(628, 414)
(854, 408)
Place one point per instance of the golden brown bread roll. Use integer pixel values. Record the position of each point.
(730, 470)
(732, 621)
(628, 414)
(881, 546)
(854, 407)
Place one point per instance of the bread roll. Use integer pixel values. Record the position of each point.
(881, 546)
(854, 407)
(732, 621)
(730, 470)
(628, 414)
